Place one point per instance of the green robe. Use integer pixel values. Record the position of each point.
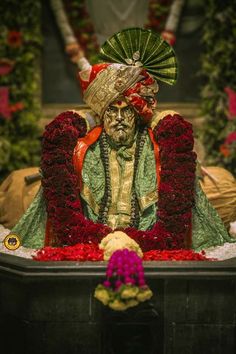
(207, 227)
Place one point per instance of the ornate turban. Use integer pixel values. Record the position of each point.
(137, 59)
(103, 83)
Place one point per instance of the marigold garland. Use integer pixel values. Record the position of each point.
(176, 188)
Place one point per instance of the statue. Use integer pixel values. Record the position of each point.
(134, 171)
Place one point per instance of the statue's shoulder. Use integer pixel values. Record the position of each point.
(170, 129)
(80, 116)
(64, 131)
(90, 117)
(158, 116)
(89, 139)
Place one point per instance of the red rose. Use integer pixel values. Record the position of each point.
(176, 190)
(14, 39)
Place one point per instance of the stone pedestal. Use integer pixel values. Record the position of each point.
(48, 308)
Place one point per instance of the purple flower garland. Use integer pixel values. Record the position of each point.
(125, 285)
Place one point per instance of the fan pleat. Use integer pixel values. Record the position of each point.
(157, 51)
(156, 55)
(163, 57)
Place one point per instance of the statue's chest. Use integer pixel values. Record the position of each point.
(124, 179)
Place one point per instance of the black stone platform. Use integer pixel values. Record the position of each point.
(48, 308)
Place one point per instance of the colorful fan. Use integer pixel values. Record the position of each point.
(136, 46)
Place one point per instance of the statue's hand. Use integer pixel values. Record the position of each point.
(116, 241)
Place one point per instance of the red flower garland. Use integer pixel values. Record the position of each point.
(87, 252)
(175, 255)
(176, 189)
(80, 252)
(60, 183)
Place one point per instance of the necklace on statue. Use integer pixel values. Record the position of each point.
(107, 198)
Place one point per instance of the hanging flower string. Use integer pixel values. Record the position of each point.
(77, 29)
(172, 22)
(125, 285)
(60, 184)
(164, 17)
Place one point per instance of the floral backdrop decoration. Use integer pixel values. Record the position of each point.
(219, 91)
(20, 45)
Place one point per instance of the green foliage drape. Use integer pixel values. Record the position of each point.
(20, 46)
(219, 71)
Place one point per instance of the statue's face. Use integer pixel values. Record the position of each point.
(119, 122)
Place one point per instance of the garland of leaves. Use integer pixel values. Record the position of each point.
(176, 188)
(20, 42)
(219, 71)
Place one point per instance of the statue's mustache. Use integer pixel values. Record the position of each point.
(116, 125)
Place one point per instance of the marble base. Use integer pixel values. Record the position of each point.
(48, 307)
